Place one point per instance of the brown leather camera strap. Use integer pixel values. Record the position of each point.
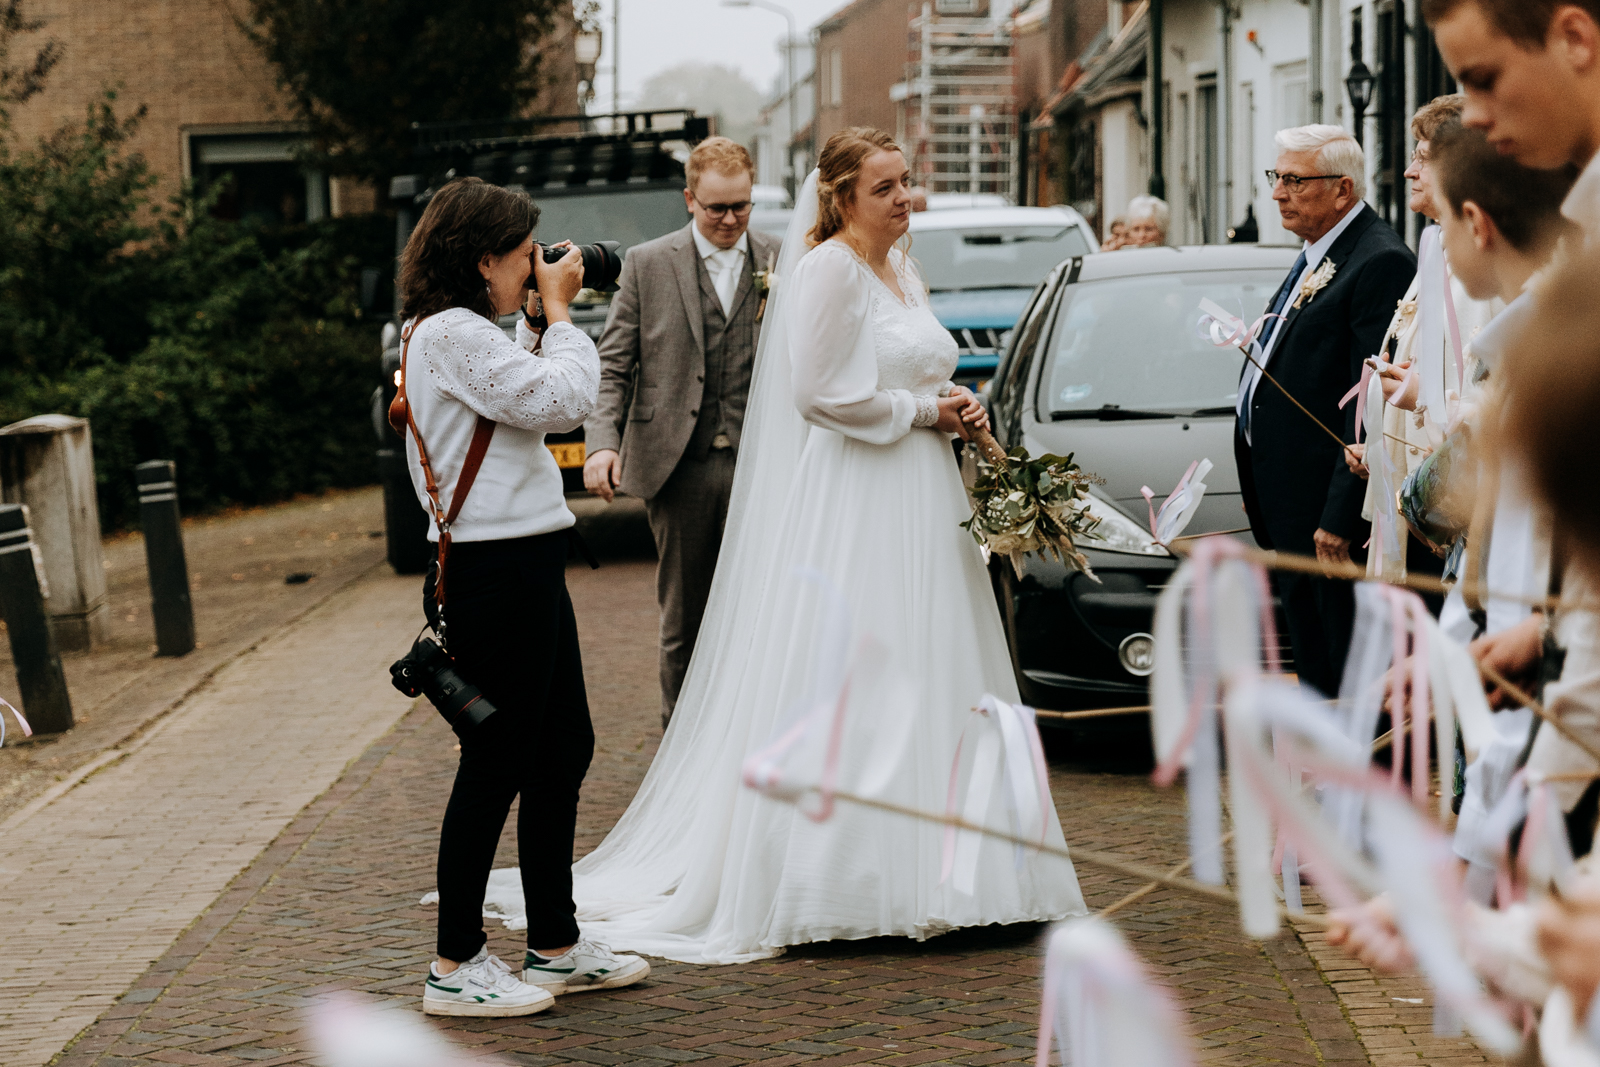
(481, 433)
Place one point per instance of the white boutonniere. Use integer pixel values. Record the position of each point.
(1316, 283)
(765, 281)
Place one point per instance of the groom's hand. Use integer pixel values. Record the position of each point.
(602, 473)
(1331, 548)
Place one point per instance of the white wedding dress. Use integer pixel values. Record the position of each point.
(703, 869)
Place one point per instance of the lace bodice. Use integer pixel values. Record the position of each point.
(915, 352)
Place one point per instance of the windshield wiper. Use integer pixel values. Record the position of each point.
(1229, 410)
(1111, 413)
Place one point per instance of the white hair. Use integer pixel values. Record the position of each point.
(1336, 149)
(1151, 207)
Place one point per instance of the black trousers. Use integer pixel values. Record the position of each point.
(1321, 613)
(511, 630)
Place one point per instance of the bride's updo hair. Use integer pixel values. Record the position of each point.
(837, 169)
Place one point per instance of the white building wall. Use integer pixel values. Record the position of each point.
(1125, 166)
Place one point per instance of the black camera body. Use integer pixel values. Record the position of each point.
(601, 265)
(427, 670)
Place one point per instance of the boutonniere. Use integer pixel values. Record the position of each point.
(765, 280)
(1316, 283)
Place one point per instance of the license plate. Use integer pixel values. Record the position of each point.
(567, 453)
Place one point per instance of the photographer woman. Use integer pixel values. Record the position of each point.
(508, 618)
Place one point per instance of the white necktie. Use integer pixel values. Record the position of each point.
(724, 269)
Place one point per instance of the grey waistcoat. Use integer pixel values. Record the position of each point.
(730, 357)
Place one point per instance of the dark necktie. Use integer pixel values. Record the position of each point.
(1279, 303)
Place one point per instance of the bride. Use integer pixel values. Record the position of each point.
(845, 472)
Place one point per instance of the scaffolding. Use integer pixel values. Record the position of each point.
(956, 105)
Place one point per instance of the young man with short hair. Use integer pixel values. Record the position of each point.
(675, 364)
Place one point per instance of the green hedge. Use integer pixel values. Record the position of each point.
(234, 349)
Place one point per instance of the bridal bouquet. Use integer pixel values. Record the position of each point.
(1021, 505)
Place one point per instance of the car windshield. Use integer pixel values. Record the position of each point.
(1133, 345)
(629, 217)
(994, 255)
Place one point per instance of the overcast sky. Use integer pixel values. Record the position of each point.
(657, 34)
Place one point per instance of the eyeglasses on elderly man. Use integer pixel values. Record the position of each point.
(1293, 182)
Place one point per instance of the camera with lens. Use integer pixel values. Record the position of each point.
(427, 670)
(601, 265)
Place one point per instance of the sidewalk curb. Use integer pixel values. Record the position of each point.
(146, 731)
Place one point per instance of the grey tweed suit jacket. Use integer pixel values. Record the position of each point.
(653, 356)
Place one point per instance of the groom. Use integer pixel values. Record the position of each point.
(675, 364)
(1335, 305)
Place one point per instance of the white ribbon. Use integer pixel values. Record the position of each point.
(1178, 509)
(27, 731)
(1100, 1007)
(1010, 751)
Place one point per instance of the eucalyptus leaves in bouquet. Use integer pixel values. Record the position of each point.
(1021, 505)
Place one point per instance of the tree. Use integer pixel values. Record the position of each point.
(711, 89)
(360, 72)
(18, 83)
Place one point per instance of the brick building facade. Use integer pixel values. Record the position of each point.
(213, 101)
(861, 56)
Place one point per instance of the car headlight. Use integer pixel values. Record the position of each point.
(1118, 533)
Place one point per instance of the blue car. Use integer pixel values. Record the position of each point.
(982, 265)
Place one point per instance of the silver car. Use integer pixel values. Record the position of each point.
(1108, 362)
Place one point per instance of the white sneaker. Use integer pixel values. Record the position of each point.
(586, 966)
(483, 986)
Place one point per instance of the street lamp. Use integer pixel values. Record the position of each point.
(1358, 83)
(788, 78)
(586, 45)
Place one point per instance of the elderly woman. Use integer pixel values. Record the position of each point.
(1149, 219)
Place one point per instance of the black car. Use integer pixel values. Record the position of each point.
(1107, 362)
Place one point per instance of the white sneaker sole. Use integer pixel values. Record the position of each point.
(614, 981)
(486, 1010)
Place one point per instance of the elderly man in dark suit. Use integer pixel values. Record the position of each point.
(1336, 304)
(675, 364)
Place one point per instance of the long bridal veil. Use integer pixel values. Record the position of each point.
(646, 854)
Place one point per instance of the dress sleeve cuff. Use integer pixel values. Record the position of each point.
(927, 411)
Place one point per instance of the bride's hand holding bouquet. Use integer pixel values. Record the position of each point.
(961, 413)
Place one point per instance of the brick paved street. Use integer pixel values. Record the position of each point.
(331, 902)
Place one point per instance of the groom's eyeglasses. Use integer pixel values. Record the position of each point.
(1293, 182)
(717, 211)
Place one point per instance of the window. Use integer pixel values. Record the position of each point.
(1293, 103)
(835, 78)
(1133, 343)
(260, 178)
(956, 7)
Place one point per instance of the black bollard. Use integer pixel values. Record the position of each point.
(163, 553)
(33, 647)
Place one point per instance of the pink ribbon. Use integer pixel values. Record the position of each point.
(1358, 392)
(1409, 721)
(763, 770)
(1455, 338)
(1230, 331)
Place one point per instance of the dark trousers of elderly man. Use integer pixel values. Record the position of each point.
(1336, 303)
